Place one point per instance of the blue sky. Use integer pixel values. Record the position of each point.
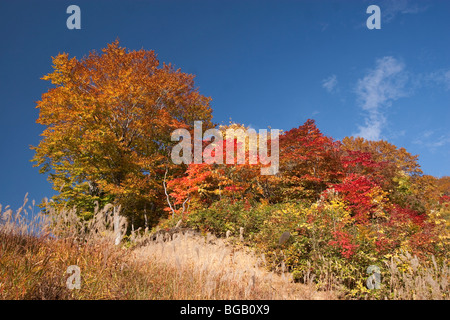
(264, 63)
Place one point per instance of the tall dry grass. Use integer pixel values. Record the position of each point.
(35, 254)
(37, 249)
(411, 279)
(225, 271)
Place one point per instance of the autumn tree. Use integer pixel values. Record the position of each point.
(383, 151)
(396, 168)
(108, 120)
(217, 178)
(443, 185)
(309, 162)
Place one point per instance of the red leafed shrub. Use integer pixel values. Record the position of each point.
(233, 188)
(401, 215)
(384, 245)
(357, 191)
(444, 199)
(343, 241)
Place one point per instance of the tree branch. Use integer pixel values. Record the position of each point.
(167, 195)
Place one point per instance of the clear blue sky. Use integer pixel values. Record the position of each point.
(264, 63)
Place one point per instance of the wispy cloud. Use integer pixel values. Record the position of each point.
(438, 78)
(330, 83)
(390, 9)
(323, 26)
(376, 91)
(428, 133)
(432, 139)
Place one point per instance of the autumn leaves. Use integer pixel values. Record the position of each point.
(120, 121)
(108, 120)
(240, 145)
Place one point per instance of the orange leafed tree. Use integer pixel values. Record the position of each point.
(108, 120)
(309, 161)
(384, 151)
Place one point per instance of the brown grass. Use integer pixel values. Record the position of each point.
(35, 254)
(411, 279)
(225, 271)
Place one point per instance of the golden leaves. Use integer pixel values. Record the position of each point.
(111, 115)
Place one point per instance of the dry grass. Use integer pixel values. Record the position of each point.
(35, 254)
(410, 279)
(223, 270)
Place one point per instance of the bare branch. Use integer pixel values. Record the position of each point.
(167, 195)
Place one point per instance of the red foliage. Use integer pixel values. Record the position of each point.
(356, 191)
(444, 199)
(399, 215)
(310, 165)
(343, 242)
(309, 161)
(384, 244)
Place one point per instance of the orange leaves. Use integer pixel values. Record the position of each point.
(383, 151)
(63, 67)
(111, 114)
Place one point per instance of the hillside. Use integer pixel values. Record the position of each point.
(35, 256)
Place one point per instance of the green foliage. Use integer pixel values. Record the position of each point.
(228, 215)
(325, 240)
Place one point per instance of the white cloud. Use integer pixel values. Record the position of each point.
(437, 78)
(376, 91)
(441, 141)
(330, 83)
(428, 133)
(432, 139)
(447, 79)
(373, 126)
(392, 8)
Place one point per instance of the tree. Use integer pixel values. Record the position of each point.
(393, 168)
(383, 151)
(443, 185)
(108, 123)
(204, 183)
(309, 162)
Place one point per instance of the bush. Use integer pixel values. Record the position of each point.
(326, 242)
